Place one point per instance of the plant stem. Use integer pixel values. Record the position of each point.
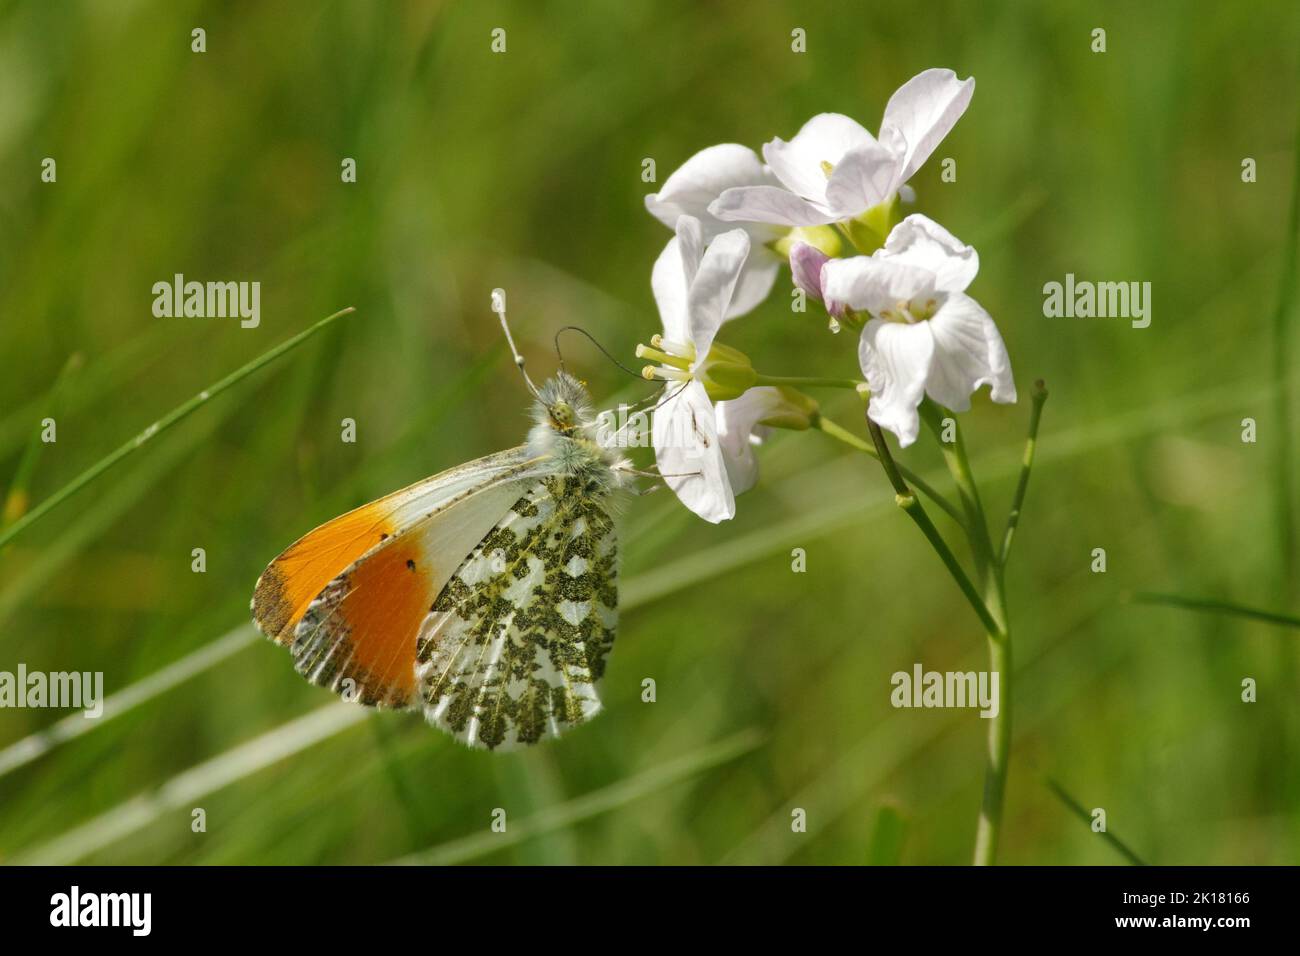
(161, 425)
(1031, 443)
(912, 505)
(806, 382)
(990, 607)
(954, 455)
(999, 749)
(840, 433)
(997, 629)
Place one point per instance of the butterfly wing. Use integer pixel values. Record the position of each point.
(348, 598)
(515, 645)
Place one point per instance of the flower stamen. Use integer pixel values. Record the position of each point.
(670, 354)
(663, 373)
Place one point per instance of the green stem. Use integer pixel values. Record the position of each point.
(999, 750)
(954, 455)
(998, 633)
(1031, 443)
(912, 505)
(802, 381)
(160, 426)
(840, 433)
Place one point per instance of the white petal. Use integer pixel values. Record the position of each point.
(924, 109)
(690, 240)
(823, 139)
(968, 353)
(710, 292)
(689, 455)
(865, 177)
(736, 422)
(668, 280)
(896, 360)
(702, 179)
(920, 241)
(874, 283)
(769, 204)
(756, 280)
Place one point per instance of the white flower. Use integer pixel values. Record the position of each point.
(744, 422)
(701, 180)
(834, 170)
(926, 336)
(693, 287)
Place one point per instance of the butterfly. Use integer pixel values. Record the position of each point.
(485, 596)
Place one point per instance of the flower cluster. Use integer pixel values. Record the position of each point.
(832, 189)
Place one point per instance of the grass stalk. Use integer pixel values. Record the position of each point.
(177, 414)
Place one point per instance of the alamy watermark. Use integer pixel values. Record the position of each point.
(133, 911)
(922, 688)
(1103, 300)
(209, 300)
(75, 690)
(630, 427)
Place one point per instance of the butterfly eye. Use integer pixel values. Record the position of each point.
(561, 414)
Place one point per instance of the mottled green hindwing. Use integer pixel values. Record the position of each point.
(514, 647)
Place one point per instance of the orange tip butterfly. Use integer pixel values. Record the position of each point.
(485, 596)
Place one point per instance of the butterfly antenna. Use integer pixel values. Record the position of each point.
(591, 338)
(499, 307)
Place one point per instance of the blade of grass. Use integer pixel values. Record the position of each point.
(130, 697)
(590, 804)
(185, 789)
(108, 374)
(105, 510)
(19, 496)
(1075, 807)
(1213, 606)
(161, 425)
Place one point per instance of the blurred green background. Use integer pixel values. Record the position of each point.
(523, 170)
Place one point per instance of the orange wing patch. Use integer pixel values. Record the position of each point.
(349, 598)
(291, 582)
(382, 601)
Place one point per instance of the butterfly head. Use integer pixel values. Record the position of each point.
(563, 405)
(564, 433)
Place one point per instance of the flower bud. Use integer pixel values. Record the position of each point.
(794, 410)
(726, 373)
(806, 268)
